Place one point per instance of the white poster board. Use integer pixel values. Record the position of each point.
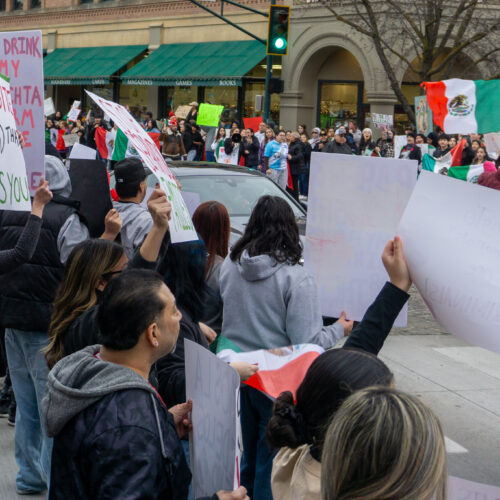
(70, 140)
(181, 225)
(14, 190)
(48, 107)
(73, 114)
(214, 387)
(451, 238)
(21, 60)
(355, 204)
(461, 489)
(400, 142)
(81, 152)
(382, 121)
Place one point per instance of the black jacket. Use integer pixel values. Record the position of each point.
(90, 134)
(307, 154)
(335, 147)
(415, 152)
(252, 158)
(371, 332)
(438, 152)
(171, 371)
(297, 162)
(27, 292)
(187, 139)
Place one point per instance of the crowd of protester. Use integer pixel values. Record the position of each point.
(95, 329)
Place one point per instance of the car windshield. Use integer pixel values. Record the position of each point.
(239, 193)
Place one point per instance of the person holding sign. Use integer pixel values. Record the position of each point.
(26, 245)
(114, 437)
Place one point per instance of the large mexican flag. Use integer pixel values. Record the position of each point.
(114, 145)
(465, 106)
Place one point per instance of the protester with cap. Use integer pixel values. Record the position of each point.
(26, 298)
(193, 112)
(173, 145)
(131, 187)
(339, 144)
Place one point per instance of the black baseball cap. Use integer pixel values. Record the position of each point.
(130, 171)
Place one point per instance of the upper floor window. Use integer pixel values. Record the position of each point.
(86, 1)
(35, 4)
(18, 4)
(3, 5)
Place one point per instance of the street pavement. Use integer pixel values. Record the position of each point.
(460, 382)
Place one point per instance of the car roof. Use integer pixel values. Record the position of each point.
(193, 168)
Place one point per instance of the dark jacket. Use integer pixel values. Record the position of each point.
(171, 371)
(253, 147)
(113, 435)
(173, 144)
(27, 292)
(415, 153)
(187, 139)
(297, 162)
(90, 134)
(335, 147)
(438, 152)
(307, 154)
(371, 332)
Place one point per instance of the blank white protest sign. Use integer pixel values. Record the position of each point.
(451, 237)
(355, 204)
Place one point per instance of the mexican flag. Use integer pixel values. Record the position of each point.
(451, 159)
(470, 173)
(465, 106)
(114, 145)
(105, 140)
(281, 369)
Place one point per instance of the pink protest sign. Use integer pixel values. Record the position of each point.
(21, 60)
(181, 225)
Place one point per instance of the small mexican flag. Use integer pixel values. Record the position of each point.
(470, 173)
(124, 149)
(465, 106)
(451, 159)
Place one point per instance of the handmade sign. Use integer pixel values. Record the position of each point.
(70, 140)
(73, 114)
(345, 239)
(21, 60)
(451, 236)
(382, 121)
(461, 489)
(48, 107)
(214, 387)
(182, 112)
(181, 225)
(14, 188)
(209, 114)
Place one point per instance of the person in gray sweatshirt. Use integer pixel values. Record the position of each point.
(270, 301)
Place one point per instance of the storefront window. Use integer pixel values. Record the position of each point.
(401, 120)
(3, 5)
(338, 103)
(227, 96)
(136, 98)
(35, 4)
(18, 5)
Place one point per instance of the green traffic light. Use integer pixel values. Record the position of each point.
(279, 43)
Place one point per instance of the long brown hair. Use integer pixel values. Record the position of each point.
(211, 220)
(88, 262)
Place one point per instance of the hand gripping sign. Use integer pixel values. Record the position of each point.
(181, 225)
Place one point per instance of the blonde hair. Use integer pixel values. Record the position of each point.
(384, 444)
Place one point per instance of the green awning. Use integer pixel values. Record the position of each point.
(206, 64)
(87, 65)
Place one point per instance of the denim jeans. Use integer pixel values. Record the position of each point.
(28, 372)
(210, 156)
(191, 156)
(257, 459)
(304, 183)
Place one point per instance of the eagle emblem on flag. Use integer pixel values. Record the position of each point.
(459, 106)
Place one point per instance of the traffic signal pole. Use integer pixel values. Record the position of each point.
(267, 96)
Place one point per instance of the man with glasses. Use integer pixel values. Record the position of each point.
(339, 144)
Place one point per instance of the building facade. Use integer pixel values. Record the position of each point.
(156, 56)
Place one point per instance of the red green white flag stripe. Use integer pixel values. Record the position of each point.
(465, 106)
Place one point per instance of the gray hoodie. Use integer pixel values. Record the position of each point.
(73, 231)
(80, 380)
(136, 224)
(269, 304)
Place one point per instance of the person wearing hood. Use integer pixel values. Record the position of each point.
(113, 435)
(26, 298)
(281, 308)
(315, 137)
